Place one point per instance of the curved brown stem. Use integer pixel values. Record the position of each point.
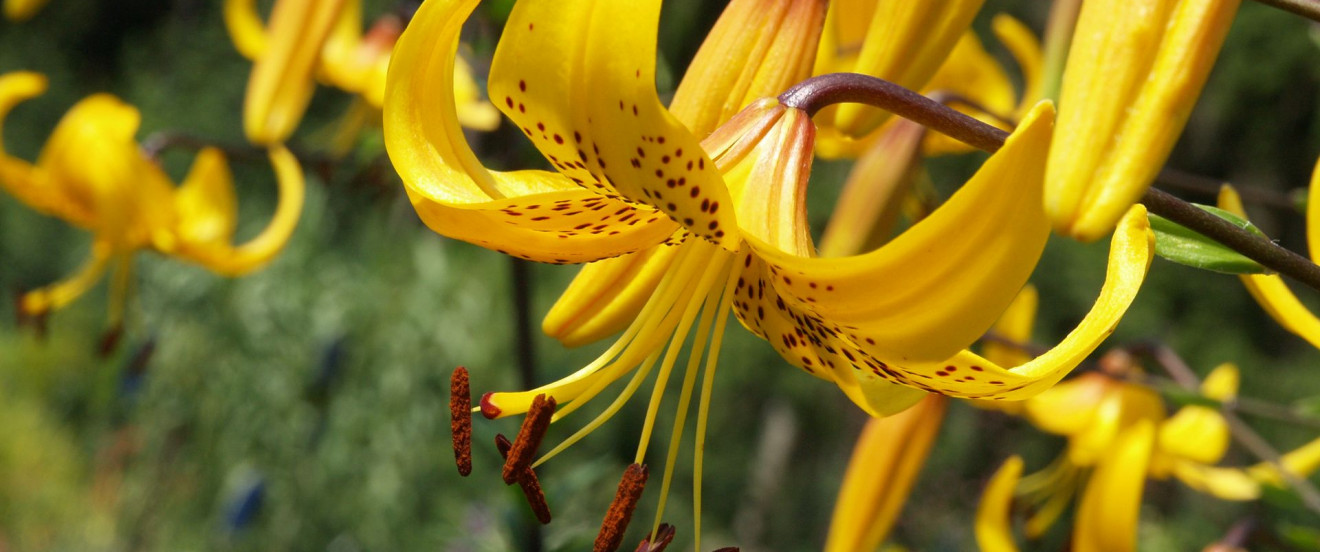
(815, 93)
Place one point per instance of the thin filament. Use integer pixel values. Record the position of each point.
(703, 407)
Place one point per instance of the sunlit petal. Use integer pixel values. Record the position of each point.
(1133, 75)
(578, 77)
(456, 196)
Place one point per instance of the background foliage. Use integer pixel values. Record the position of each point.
(304, 407)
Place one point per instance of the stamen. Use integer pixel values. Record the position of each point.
(528, 482)
(533, 430)
(621, 510)
(460, 425)
(657, 541)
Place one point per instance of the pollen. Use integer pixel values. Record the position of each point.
(530, 484)
(533, 430)
(460, 425)
(621, 510)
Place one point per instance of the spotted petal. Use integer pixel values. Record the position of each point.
(531, 214)
(937, 287)
(578, 77)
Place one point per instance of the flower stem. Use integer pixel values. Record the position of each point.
(815, 93)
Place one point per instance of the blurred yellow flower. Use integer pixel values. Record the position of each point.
(92, 174)
(885, 464)
(22, 10)
(309, 40)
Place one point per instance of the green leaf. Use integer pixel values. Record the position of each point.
(1181, 245)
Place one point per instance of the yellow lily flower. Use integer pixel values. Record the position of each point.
(1134, 72)
(1121, 434)
(308, 40)
(22, 10)
(730, 210)
(885, 463)
(92, 174)
(1269, 290)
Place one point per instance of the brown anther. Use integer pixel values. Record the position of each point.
(460, 425)
(654, 543)
(109, 341)
(621, 510)
(728, 549)
(529, 437)
(528, 482)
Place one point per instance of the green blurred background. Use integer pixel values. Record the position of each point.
(304, 407)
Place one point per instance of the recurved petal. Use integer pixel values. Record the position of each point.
(971, 376)
(531, 214)
(1134, 72)
(1111, 504)
(578, 77)
(222, 257)
(606, 296)
(949, 276)
(282, 78)
(1270, 291)
(994, 528)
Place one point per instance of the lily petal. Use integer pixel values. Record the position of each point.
(1111, 503)
(1269, 290)
(456, 196)
(769, 45)
(282, 80)
(578, 77)
(1245, 484)
(885, 463)
(606, 296)
(32, 185)
(1134, 72)
(994, 528)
